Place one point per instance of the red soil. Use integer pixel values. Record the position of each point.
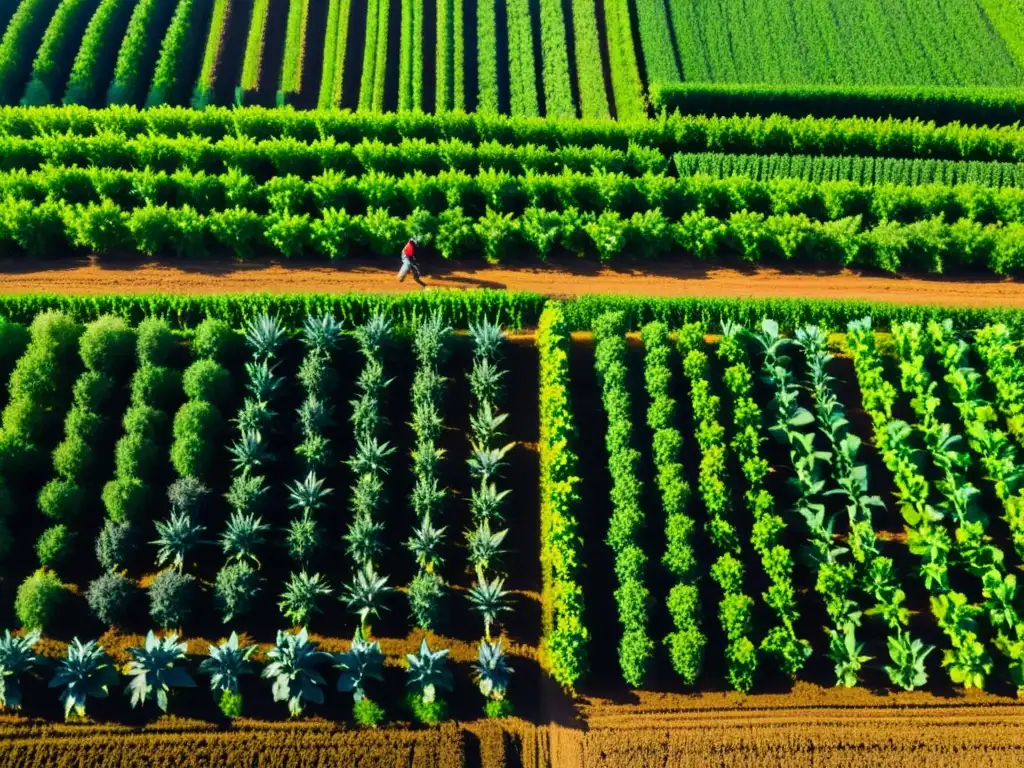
(563, 278)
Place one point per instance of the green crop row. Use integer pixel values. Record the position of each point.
(679, 133)
(252, 62)
(686, 644)
(139, 51)
(513, 309)
(522, 66)
(627, 87)
(487, 58)
(860, 170)
(983, 106)
(554, 56)
(202, 96)
(56, 52)
(406, 46)
(1007, 17)
(627, 525)
(371, 83)
(175, 66)
(589, 72)
(564, 644)
(660, 63)
(444, 68)
(270, 157)
(21, 38)
(332, 79)
(94, 63)
(294, 50)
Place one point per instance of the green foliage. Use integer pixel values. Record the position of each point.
(16, 657)
(235, 589)
(55, 545)
(177, 54)
(61, 500)
(225, 664)
(108, 346)
(87, 671)
(156, 341)
(112, 597)
(426, 592)
(292, 668)
(368, 713)
(20, 39)
(301, 597)
(207, 380)
(427, 674)
(39, 599)
(153, 672)
(363, 661)
(171, 598)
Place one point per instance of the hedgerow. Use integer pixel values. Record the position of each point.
(202, 95)
(565, 636)
(94, 63)
(20, 41)
(56, 52)
(139, 51)
(175, 66)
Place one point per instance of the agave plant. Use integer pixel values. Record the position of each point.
(248, 452)
(486, 501)
(152, 670)
(292, 667)
(424, 544)
(322, 333)
(486, 463)
(363, 539)
(308, 495)
(225, 664)
(177, 537)
(487, 338)
(243, 535)
(261, 382)
(264, 335)
(484, 545)
(485, 380)
(486, 424)
(15, 659)
(907, 655)
(492, 671)
(363, 661)
(428, 672)
(87, 671)
(846, 652)
(489, 598)
(370, 455)
(364, 594)
(372, 335)
(301, 595)
(429, 341)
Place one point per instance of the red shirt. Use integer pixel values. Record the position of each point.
(409, 251)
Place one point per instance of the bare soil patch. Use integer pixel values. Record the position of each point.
(560, 279)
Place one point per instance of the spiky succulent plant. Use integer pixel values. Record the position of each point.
(177, 536)
(264, 335)
(16, 657)
(492, 670)
(87, 671)
(153, 672)
(428, 672)
(226, 663)
(363, 661)
(364, 595)
(292, 668)
(301, 596)
(243, 535)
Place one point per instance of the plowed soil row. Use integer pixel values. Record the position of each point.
(562, 278)
(953, 736)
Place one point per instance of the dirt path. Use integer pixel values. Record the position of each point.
(92, 276)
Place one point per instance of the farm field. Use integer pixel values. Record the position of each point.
(713, 519)
(583, 58)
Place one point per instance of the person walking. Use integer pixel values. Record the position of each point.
(409, 262)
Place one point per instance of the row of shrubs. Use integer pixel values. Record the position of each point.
(565, 633)
(775, 134)
(929, 245)
(627, 525)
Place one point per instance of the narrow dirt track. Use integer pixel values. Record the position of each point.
(573, 278)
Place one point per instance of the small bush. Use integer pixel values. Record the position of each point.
(61, 500)
(230, 704)
(111, 597)
(429, 714)
(425, 595)
(170, 598)
(115, 544)
(498, 708)
(207, 380)
(187, 495)
(197, 428)
(38, 600)
(215, 340)
(126, 499)
(156, 341)
(157, 387)
(146, 422)
(54, 545)
(368, 713)
(236, 586)
(74, 457)
(92, 390)
(137, 456)
(108, 346)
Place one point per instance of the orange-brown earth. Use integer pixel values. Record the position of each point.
(561, 278)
